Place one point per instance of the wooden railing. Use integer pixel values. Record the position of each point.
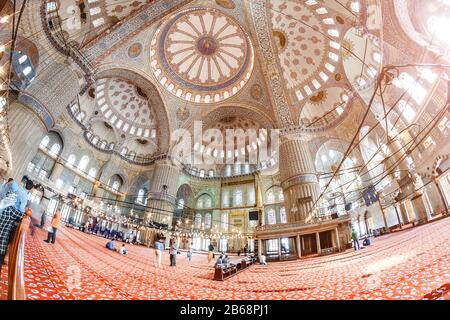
(16, 260)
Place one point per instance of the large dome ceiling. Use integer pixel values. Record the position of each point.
(126, 107)
(202, 55)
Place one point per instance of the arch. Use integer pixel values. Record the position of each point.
(273, 194)
(197, 220)
(71, 159)
(83, 163)
(53, 143)
(204, 201)
(92, 172)
(186, 194)
(116, 182)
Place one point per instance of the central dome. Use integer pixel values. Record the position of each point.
(202, 55)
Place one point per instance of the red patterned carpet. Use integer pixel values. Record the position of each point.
(412, 264)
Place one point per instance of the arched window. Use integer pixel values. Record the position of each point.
(116, 182)
(251, 196)
(270, 197)
(228, 170)
(281, 196)
(283, 217)
(204, 202)
(200, 203)
(141, 196)
(44, 142)
(271, 219)
(208, 221)
(92, 172)
(83, 163)
(115, 185)
(247, 168)
(71, 160)
(211, 173)
(237, 197)
(225, 198)
(407, 110)
(56, 147)
(224, 221)
(202, 173)
(407, 82)
(237, 169)
(180, 204)
(207, 202)
(198, 221)
(124, 151)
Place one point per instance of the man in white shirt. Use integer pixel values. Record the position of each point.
(262, 259)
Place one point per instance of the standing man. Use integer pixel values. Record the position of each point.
(173, 253)
(210, 252)
(159, 248)
(56, 220)
(355, 239)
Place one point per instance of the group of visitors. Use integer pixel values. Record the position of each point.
(110, 245)
(97, 229)
(222, 260)
(173, 252)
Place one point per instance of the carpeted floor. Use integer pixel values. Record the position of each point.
(412, 264)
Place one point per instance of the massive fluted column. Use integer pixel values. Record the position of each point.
(26, 131)
(57, 171)
(299, 181)
(162, 193)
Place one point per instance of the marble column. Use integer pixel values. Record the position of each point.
(337, 239)
(441, 195)
(299, 181)
(299, 248)
(259, 249)
(57, 171)
(279, 248)
(26, 131)
(386, 228)
(162, 190)
(319, 249)
(398, 216)
(420, 210)
(404, 212)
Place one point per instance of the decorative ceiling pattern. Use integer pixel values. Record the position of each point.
(202, 56)
(121, 9)
(308, 44)
(325, 107)
(363, 65)
(126, 107)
